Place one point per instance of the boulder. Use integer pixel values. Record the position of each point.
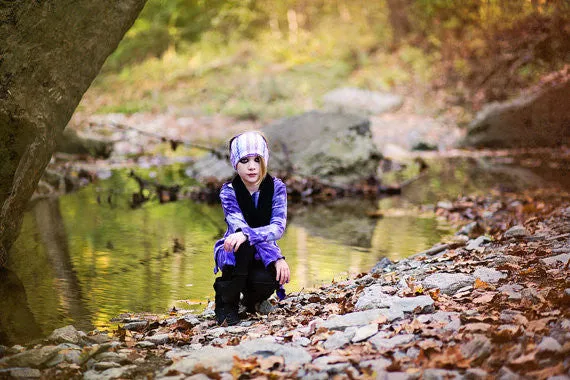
(448, 283)
(541, 119)
(362, 102)
(332, 146)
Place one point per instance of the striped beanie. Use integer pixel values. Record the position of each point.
(248, 144)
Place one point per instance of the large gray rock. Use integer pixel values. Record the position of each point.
(542, 119)
(31, 358)
(477, 349)
(67, 334)
(381, 343)
(333, 146)
(359, 318)
(361, 102)
(489, 275)
(448, 283)
(266, 347)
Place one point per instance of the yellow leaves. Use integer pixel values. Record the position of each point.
(434, 294)
(479, 284)
(258, 367)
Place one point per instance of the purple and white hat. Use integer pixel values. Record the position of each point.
(248, 144)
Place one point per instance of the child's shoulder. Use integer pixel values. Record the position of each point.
(277, 182)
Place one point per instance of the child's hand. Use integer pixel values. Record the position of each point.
(283, 273)
(233, 241)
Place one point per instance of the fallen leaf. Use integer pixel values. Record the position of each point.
(434, 294)
(547, 372)
(271, 363)
(450, 358)
(479, 284)
(485, 298)
(243, 365)
(476, 327)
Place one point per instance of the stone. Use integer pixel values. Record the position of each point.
(376, 365)
(549, 345)
(555, 260)
(506, 374)
(390, 343)
(359, 318)
(219, 359)
(34, 358)
(475, 374)
(516, 232)
(102, 366)
(67, 334)
(337, 340)
(20, 373)
(158, 339)
(475, 244)
(365, 332)
(440, 374)
(302, 341)
(448, 283)
(362, 102)
(335, 147)
(112, 373)
(374, 297)
(489, 275)
(512, 290)
(381, 265)
(267, 347)
(448, 320)
(145, 344)
(477, 349)
(115, 357)
(136, 326)
(384, 375)
(536, 120)
(67, 355)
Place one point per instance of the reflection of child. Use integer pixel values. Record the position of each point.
(255, 210)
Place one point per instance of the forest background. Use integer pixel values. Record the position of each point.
(262, 60)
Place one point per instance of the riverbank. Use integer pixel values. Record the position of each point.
(492, 301)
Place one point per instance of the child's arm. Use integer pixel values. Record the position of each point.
(234, 217)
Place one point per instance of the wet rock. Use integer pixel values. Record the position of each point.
(67, 334)
(475, 374)
(158, 339)
(20, 373)
(145, 344)
(112, 373)
(136, 326)
(555, 260)
(440, 374)
(477, 349)
(516, 232)
(489, 275)
(448, 283)
(374, 297)
(359, 318)
(365, 332)
(549, 345)
(32, 358)
(362, 102)
(390, 343)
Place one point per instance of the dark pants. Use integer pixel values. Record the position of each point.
(249, 276)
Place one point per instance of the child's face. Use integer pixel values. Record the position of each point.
(249, 169)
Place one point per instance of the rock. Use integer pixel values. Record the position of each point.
(440, 374)
(516, 232)
(489, 275)
(267, 347)
(302, 341)
(383, 375)
(467, 229)
(102, 366)
(365, 332)
(34, 358)
(448, 283)
(381, 265)
(112, 373)
(66, 354)
(549, 345)
(158, 339)
(475, 244)
(390, 343)
(145, 344)
(506, 374)
(376, 365)
(446, 205)
(513, 317)
(541, 119)
(359, 318)
(512, 290)
(448, 320)
(67, 334)
(374, 297)
(475, 374)
(20, 373)
(115, 357)
(218, 359)
(136, 326)
(335, 147)
(554, 260)
(363, 102)
(477, 349)
(337, 340)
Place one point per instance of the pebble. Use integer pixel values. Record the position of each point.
(549, 345)
(517, 231)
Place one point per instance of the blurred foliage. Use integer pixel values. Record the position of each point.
(261, 60)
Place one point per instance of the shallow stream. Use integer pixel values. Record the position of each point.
(85, 258)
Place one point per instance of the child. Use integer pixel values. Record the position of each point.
(255, 210)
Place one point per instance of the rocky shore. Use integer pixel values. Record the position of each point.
(492, 302)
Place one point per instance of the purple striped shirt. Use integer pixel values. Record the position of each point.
(264, 239)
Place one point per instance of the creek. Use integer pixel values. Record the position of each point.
(87, 257)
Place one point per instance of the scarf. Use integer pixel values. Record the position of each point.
(260, 215)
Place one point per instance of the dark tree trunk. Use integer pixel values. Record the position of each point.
(50, 52)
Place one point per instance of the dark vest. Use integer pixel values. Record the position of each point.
(260, 215)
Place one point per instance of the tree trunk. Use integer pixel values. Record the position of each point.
(399, 20)
(50, 52)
